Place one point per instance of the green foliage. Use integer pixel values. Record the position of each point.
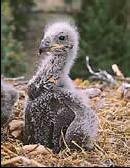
(104, 36)
(21, 11)
(12, 60)
(68, 1)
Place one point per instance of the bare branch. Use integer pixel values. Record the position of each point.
(101, 75)
(88, 66)
(21, 83)
(13, 79)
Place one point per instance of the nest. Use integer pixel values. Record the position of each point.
(110, 149)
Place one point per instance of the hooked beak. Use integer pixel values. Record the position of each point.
(43, 49)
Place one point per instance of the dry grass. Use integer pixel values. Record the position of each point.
(111, 147)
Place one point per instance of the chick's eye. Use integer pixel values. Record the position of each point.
(62, 38)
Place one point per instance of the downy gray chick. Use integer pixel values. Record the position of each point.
(51, 108)
(9, 96)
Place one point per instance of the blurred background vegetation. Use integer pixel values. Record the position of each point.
(104, 27)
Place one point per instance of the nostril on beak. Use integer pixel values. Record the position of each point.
(40, 51)
(47, 43)
(44, 46)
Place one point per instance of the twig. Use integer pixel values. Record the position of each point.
(101, 75)
(14, 79)
(65, 141)
(35, 147)
(117, 71)
(100, 149)
(21, 83)
(22, 159)
(79, 147)
(104, 153)
(9, 151)
(10, 161)
(123, 79)
(3, 153)
(88, 66)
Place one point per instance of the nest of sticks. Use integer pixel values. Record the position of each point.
(110, 149)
